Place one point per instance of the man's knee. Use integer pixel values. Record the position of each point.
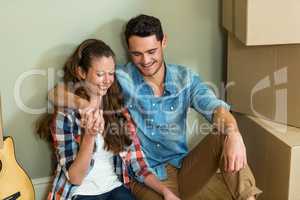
(242, 184)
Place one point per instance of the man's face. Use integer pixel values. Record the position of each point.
(147, 54)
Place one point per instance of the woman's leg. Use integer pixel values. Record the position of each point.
(121, 193)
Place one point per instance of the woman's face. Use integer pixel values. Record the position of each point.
(100, 75)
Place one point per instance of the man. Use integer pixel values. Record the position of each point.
(158, 96)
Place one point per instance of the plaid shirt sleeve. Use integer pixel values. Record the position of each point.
(135, 159)
(66, 138)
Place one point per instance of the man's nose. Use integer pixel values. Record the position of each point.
(146, 59)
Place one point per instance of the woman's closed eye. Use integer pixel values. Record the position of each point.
(100, 74)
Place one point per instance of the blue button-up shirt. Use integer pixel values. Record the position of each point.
(161, 121)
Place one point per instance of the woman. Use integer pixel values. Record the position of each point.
(93, 148)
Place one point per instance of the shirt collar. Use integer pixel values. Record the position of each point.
(170, 84)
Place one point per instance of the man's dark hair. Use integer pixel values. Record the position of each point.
(144, 26)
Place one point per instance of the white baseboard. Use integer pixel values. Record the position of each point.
(41, 187)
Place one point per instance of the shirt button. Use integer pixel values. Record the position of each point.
(130, 106)
(172, 108)
(152, 133)
(158, 145)
(153, 104)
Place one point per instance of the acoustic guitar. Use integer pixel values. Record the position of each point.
(14, 182)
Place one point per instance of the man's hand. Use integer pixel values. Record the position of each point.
(169, 195)
(93, 104)
(234, 152)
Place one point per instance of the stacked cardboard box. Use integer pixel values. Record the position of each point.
(263, 22)
(265, 81)
(263, 69)
(274, 156)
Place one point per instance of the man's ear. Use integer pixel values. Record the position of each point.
(164, 41)
(80, 73)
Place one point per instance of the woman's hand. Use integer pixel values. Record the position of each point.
(99, 123)
(92, 121)
(169, 195)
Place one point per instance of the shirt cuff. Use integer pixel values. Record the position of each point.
(213, 106)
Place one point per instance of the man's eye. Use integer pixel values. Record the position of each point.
(100, 74)
(135, 54)
(152, 52)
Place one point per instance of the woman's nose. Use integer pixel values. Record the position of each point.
(108, 78)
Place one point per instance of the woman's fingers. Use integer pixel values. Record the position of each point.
(101, 121)
(84, 117)
(96, 126)
(98, 121)
(92, 120)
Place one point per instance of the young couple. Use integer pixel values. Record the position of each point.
(120, 133)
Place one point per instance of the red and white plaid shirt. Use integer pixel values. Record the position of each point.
(66, 136)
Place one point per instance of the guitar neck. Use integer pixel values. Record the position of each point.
(1, 126)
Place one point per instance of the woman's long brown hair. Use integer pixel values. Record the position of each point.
(116, 138)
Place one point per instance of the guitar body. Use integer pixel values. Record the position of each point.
(14, 182)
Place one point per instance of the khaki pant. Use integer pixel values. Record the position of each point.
(199, 177)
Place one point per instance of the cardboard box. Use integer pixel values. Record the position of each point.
(264, 81)
(273, 152)
(263, 22)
